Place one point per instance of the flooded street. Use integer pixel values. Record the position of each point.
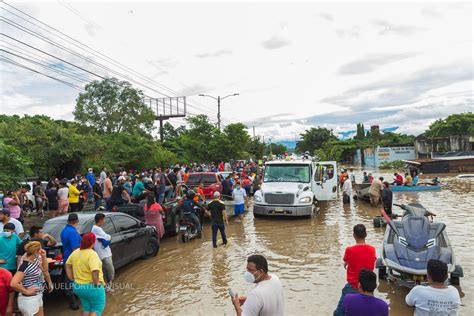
(193, 278)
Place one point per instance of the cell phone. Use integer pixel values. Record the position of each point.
(232, 293)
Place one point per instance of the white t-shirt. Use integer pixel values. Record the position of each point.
(266, 299)
(18, 227)
(429, 301)
(239, 196)
(63, 193)
(98, 247)
(347, 187)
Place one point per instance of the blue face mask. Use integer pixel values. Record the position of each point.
(7, 234)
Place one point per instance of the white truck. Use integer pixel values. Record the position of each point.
(293, 187)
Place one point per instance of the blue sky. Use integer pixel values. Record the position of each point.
(295, 65)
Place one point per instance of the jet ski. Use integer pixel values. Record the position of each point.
(408, 245)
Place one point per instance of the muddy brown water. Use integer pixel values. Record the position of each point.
(306, 254)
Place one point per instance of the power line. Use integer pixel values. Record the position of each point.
(8, 60)
(89, 49)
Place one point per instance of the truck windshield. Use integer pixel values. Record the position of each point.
(287, 173)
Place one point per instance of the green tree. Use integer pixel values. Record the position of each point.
(454, 125)
(278, 149)
(14, 167)
(197, 141)
(360, 134)
(314, 138)
(236, 140)
(113, 106)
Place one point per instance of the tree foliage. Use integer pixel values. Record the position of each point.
(14, 167)
(314, 138)
(113, 106)
(454, 125)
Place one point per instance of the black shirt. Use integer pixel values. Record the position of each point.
(173, 178)
(216, 207)
(98, 191)
(117, 190)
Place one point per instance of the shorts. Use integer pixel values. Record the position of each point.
(239, 209)
(92, 297)
(63, 206)
(108, 269)
(30, 305)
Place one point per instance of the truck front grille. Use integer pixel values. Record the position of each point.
(284, 199)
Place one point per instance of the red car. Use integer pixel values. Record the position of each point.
(211, 183)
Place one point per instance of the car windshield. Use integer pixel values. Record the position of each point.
(54, 228)
(287, 173)
(204, 178)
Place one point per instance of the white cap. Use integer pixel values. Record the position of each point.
(217, 194)
(90, 170)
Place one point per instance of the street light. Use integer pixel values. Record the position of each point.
(219, 99)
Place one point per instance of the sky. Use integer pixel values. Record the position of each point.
(295, 65)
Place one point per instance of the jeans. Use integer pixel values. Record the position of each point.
(216, 227)
(347, 289)
(195, 220)
(98, 202)
(161, 198)
(90, 194)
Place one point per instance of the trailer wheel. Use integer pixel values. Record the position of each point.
(378, 221)
(382, 273)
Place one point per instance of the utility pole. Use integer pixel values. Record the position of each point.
(219, 112)
(218, 99)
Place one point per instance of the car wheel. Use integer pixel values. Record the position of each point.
(152, 247)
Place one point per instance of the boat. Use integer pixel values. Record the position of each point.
(465, 176)
(404, 188)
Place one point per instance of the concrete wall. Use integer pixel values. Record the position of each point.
(373, 157)
(425, 146)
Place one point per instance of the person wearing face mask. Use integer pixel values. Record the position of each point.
(267, 298)
(5, 218)
(8, 243)
(29, 279)
(240, 200)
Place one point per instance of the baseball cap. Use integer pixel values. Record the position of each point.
(5, 211)
(217, 194)
(72, 217)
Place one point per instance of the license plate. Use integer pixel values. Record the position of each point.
(183, 228)
(279, 210)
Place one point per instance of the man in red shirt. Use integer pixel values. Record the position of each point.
(357, 257)
(6, 293)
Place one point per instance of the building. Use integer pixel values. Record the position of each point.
(373, 157)
(429, 147)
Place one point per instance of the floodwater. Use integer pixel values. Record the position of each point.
(306, 254)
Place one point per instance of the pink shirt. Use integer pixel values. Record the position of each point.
(15, 210)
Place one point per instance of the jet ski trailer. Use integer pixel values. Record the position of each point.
(410, 243)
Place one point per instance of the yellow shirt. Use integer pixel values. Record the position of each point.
(83, 262)
(73, 194)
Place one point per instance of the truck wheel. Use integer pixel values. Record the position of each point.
(257, 215)
(174, 226)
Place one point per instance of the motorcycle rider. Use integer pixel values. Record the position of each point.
(189, 211)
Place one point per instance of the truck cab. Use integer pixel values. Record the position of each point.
(293, 187)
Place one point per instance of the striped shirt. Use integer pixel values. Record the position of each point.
(33, 274)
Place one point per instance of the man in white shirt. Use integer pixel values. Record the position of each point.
(346, 190)
(240, 200)
(267, 298)
(5, 218)
(437, 298)
(102, 248)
